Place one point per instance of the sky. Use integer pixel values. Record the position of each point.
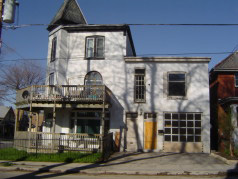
(32, 42)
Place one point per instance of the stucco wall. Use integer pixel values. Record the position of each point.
(118, 76)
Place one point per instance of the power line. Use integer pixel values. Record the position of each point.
(183, 24)
(76, 58)
(12, 49)
(132, 24)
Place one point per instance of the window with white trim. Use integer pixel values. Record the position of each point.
(95, 47)
(176, 84)
(51, 79)
(182, 127)
(140, 88)
(53, 49)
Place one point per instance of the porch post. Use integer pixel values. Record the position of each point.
(53, 126)
(54, 117)
(37, 121)
(30, 119)
(16, 121)
(103, 121)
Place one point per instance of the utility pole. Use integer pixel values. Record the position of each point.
(1, 14)
(9, 7)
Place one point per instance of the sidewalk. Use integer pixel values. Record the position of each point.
(137, 164)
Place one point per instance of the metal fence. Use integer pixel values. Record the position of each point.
(57, 142)
(42, 143)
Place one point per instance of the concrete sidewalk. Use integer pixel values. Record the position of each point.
(137, 164)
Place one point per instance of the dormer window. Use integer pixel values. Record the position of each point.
(53, 49)
(95, 47)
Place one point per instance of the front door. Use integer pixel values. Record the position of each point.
(132, 134)
(150, 131)
(150, 135)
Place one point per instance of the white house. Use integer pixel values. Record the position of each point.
(100, 86)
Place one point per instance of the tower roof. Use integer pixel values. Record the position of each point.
(69, 13)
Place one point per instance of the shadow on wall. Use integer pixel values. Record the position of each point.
(193, 104)
(118, 111)
(124, 84)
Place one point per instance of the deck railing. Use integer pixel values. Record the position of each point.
(83, 93)
(42, 142)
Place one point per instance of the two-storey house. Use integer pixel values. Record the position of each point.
(224, 101)
(97, 85)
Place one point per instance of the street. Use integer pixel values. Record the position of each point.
(39, 175)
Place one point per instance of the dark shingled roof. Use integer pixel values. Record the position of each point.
(3, 111)
(69, 13)
(230, 63)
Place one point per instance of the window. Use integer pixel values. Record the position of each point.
(86, 121)
(53, 49)
(140, 88)
(88, 126)
(182, 127)
(176, 84)
(93, 78)
(133, 115)
(51, 79)
(236, 79)
(150, 115)
(95, 47)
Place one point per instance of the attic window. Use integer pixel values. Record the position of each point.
(95, 47)
(236, 79)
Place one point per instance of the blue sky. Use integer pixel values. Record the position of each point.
(32, 42)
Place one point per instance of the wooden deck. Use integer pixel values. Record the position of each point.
(61, 95)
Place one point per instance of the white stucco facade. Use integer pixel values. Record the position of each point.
(118, 72)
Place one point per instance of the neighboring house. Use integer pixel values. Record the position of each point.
(96, 84)
(7, 122)
(224, 100)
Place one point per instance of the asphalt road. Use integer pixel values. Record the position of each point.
(39, 175)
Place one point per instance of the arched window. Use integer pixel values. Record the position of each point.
(93, 78)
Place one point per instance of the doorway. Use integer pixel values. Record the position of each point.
(150, 131)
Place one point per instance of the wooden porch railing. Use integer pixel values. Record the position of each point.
(42, 142)
(81, 93)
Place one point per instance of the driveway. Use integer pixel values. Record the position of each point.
(166, 162)
(137, 163)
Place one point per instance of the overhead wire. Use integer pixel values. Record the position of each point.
(76, 58)
(132, 24)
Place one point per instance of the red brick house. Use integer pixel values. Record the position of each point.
(224, 100)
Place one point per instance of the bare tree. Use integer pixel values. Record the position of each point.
(18, 76)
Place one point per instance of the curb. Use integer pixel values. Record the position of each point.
(229, 162)
(159, 173)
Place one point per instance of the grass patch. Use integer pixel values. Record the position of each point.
(68, 157)
(6, 164)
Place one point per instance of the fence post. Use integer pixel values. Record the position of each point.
(36, 144)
